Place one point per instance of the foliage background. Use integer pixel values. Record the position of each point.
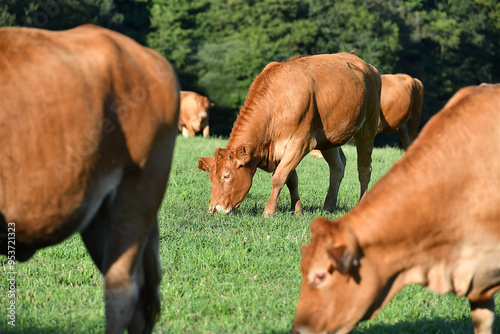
(218, 47)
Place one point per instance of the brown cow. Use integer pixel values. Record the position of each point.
(193, 116)
(401, 102)
(291, 108)
(434, 219)
(88, 120)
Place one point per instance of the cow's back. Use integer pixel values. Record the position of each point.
(79, 109)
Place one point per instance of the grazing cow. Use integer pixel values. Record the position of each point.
(193, 116)
(88, 120)
(293, 107)
(434, 219)
(401, 102)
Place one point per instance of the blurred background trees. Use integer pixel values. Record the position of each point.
(218, 47)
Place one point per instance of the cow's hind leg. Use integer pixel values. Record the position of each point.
(414, 121)
(483, 315)
(293, 155)
(148, 305)
(126, 253)
(206, 131)
(364, 147)
(404, 136)
(336, 161)
(293, 186)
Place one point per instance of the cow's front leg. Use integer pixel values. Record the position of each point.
(290, 160)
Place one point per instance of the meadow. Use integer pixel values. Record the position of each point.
(236, 273)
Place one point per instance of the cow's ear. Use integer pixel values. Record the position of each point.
(243, 154)
(205, 164)
(344, 259)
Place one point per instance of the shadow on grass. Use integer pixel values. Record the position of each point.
(436, 325)
(341, 208)
(317, 209)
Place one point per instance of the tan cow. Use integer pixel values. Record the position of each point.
(193, 116)
(291, 108)
(401, 103)
(88, 120)
(434, 219)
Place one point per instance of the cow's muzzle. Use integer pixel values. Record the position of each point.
(217, 209)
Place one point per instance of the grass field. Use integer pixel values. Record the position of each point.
(237, 273)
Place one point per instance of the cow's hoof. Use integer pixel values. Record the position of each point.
(267, 214)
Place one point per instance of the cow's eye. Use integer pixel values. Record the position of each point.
(226, 176)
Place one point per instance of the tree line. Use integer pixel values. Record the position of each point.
(218, 47)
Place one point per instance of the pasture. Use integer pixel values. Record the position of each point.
(237, 273)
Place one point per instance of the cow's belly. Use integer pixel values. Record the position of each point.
(40, 228)
(107, 186)
(396, 119)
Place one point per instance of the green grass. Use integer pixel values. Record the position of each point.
(237, 273)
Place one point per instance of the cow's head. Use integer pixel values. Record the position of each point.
(336, 292)
(231, 173)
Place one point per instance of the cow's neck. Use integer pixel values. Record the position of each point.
(252, 128)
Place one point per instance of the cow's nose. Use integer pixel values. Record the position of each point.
(212, 209)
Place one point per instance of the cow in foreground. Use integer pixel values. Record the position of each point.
(401, 103)
(434, 219)
(291, 108)
(193, 117)
(88, 120)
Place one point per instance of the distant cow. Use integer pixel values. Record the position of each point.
(291, 108)
(88, 120)
(193, 116)
(434, 219)
(401, 102)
